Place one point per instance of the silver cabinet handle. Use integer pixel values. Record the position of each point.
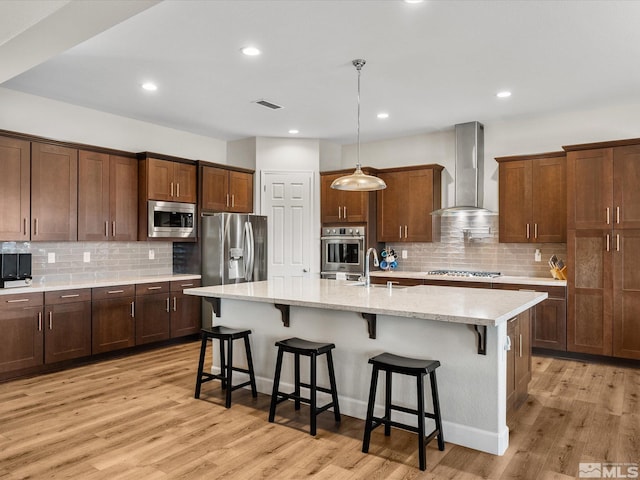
(406, 229)
(607, 215)
(35, 226)
(106, 229)
(527, 230)
(154, 288)
(520, 345)
(167, 304)
(233, 200)
(227, 199)
(50, 320)
(178, 190)
(535, 230)
(608, 242)
(20, 300)
(618, 214)
(344, 211)
(25, 225)
(39, 321)
(400, 236)
(111, 292)
(187, 285)
(339, 212)
(617, 242)
(172, 189)
(175, 304)
(70, 296)
(113, 229)
(133, 309)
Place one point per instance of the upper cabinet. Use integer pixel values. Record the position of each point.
(54, 193)
(339, 206)
(15, 201)
(533, 205)
(225, 190)
(167, 180)
(107, 197)
(405, 206)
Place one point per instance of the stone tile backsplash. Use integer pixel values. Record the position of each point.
(108, 260)
(471, 243)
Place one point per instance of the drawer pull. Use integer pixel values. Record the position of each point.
(50, 320)
(187, 285)
(133, 309)
(167, 304)
(174, 304)
(39, 321)
(154, 288)
(111, 292)
(70, 296)
(18, 301)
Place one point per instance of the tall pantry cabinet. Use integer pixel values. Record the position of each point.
(603, 221)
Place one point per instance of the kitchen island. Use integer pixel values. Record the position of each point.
(463, 328)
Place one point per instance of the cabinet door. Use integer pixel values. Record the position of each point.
(93, 196)
(626, 294)
(590, 302)
(123, 199)
(549, 200)
(417, 205)
(550, 324)
(186, 312)
(589, 188)
(67, 331)
(159, 179)
(241, 188)
(184, 179)
(54, 193)
(331, 200)
(355, 206)
(113, 324)
(390, 205)
(152, 318)
(515, 201)
(15, 201)
(22, 334)
(626, 186)
(215, 189)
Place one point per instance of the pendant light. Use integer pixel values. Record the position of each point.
(358, 181)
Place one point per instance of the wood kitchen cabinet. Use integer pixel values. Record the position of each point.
(54, 193)
(405, 206)
(15, 185)
(224, 190)
(107, 197)
(186, 310)
(112, 318)
(626, 293)
(532, 198)
(518, 360)
(168, 180)
(22, 340)
(152, 312)
(340, 206)
(67, 325)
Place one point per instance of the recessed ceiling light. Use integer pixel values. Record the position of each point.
(251, 51)
(383, 115)
(412, 1)
(150, 87)
(293, 131)
(504, 94)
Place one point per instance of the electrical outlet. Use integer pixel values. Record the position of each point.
(152, 254)
(86, 257)
(51, 257)
(538, 255)
(405, 254)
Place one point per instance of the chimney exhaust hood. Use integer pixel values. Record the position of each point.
(468, 178)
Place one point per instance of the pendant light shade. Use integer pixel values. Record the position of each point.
(358, 181)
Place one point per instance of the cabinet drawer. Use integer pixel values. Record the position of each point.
(21, 300)
(456, 283)
(67, 296)
(179, 285)
(152, 288)
(117, 291)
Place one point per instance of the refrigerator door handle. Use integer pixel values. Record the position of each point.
(249, 264)
(246, 251)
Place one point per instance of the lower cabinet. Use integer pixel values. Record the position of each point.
(113, 318)
(152, 312)
(518, 360)
(186, 310)
(22, 335)
(67, 325)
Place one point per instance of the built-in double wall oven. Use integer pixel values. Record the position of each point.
(343, 250)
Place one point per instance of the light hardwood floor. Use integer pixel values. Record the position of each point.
(135, 418)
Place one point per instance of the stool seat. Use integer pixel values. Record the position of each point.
(396, 363)
(225, 336)
(299, 346)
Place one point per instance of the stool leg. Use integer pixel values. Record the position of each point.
(222, 364)
(252, 376)
(312, 400)
(228, 374)
(296, 381)
(203, 350)
(334, 390)
(276, 383)
(436, 410)
(421, 437)
(369, 421)
(387, 404)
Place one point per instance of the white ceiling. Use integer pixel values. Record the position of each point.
(429, 65)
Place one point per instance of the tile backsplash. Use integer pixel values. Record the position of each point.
(471, 243)
(107, 260)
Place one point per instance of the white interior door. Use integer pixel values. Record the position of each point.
(287, 202)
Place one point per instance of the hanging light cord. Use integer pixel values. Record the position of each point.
(358, 64)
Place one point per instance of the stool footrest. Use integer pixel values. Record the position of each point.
(292, 396)
(320, 389)
(377, 421)
(240, 385)
(400, 408)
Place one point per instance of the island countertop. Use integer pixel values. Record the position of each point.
(445, 304)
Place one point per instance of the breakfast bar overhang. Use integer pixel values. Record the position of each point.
(463, 328)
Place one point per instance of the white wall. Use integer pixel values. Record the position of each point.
(242, 153)
(43, 117)
(330, 156)
(525, 135)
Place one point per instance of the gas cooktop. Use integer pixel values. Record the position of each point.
(463, 273)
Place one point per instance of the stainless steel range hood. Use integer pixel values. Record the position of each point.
(468, 178)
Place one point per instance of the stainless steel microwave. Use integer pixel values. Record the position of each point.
(171, 220)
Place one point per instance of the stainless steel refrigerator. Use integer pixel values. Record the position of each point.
(234, 248)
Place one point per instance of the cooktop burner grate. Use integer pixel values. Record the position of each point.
(463, 273)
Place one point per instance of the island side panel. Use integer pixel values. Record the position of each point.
(472, 387)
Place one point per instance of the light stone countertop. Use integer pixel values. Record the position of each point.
(56, 286)
(446, 304)
(543, 281)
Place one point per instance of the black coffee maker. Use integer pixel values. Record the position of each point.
(15, 270)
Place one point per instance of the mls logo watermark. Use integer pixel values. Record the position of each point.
(608, 470)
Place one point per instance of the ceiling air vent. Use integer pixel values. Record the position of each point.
(267, 104)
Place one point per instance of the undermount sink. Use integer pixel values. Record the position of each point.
(393, 287)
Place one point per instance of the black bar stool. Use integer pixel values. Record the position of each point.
(226, 336)
(299, 347)
(390, 363)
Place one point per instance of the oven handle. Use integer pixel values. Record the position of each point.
(345, 237)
